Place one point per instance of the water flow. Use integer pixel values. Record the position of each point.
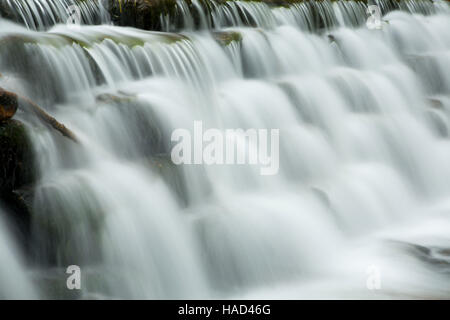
(213, 14)
(15, 282)
(42, 14)
(364, 153)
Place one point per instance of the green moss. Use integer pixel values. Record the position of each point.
(225, 38)
(114, 99)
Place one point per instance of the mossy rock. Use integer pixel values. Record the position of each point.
(6, 12)
(8, 105)
(224, 38)
(17, 174)
(19, 206)
(17, 166)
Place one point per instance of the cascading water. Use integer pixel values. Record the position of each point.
(364, 153)
(41, 14)
(14, 281)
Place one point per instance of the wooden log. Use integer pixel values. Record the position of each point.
(9, 102)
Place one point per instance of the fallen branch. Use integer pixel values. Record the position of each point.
(9, 99)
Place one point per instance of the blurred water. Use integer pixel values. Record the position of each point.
(364, 154)
(15, 282)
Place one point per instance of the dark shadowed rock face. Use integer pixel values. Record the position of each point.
(8, 105)
(143, 14)
(6, 12)
(16, 156)
(17, 172)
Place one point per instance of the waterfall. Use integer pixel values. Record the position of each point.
(212, 14)
(42, 14)
(364, 150)
(15, 283)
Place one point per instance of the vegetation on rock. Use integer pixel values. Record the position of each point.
(225, 38)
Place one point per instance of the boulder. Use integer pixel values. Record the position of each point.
(8, 105)
(16, 156)
(19, 205)
(17, 173)
(6, 11)
(224, 38)
(143, 14)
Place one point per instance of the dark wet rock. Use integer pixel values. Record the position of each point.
(331, 38)
(6, 12)
(19, 204)
(17, 167)
(8, 105)
(434, 257)
(148, 14)
(143, 14)
(443, 252)
(11, 101)
(17, 173)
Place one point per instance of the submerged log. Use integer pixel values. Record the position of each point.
(10, 101)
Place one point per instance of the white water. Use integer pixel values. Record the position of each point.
(364, 173)
(15, 282)
(213, 14)
(41, 14)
